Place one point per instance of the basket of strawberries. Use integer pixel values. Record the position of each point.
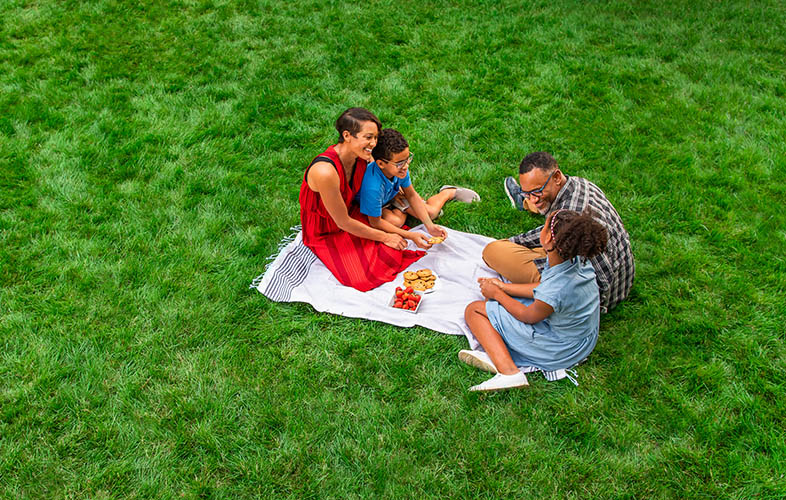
(406, 299)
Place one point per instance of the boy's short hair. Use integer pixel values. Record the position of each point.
(389, 143)
(351, 120)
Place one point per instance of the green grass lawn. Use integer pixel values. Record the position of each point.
(150, 159)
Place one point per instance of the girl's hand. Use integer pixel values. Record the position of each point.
(435, 230)
(394, 241)
(419, 239)
(490, 287)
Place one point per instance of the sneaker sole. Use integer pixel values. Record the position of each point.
(510, 196)
(497, 389)
(475, 362)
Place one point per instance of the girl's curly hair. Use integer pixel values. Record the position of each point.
(578, 234)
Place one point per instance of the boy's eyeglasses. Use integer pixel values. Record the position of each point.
(403, 163)
(538, 192)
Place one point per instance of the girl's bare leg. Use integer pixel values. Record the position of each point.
(479, 324)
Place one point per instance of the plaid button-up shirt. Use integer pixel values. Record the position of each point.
(614, 268)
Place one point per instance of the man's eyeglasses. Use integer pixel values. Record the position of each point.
(538, 192)
(403, 163)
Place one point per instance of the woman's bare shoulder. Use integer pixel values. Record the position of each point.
(320, 175)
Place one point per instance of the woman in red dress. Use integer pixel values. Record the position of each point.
(333, 227)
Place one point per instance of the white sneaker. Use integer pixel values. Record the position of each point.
(478, 359)
(500, 382)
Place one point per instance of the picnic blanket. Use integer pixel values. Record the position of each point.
(297, 275)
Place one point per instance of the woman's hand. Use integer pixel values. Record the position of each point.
(435, 230)
(490, 287)
(419, 239)
(394, 241)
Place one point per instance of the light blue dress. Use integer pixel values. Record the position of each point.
(569, 334)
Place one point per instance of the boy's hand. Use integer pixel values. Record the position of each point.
(419, 239)
(435, 230)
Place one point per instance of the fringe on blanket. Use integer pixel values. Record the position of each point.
(294, 230)
(552, 376)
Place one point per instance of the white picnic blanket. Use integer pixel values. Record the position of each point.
(297, 275)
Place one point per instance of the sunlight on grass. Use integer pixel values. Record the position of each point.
(150, 160)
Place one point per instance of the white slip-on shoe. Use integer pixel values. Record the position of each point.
(500, 382)
(464, 195)
(478, 359)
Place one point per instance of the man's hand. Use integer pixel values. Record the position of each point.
(435, 230)
(419, 239)
(394, 241)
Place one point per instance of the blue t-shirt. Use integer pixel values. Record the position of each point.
(376, 191)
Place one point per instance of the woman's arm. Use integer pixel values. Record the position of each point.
(418, 238)
(323, 179)
(537, 311)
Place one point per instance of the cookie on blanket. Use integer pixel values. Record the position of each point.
(429, 284)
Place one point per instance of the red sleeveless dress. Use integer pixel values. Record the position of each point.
(357, 262)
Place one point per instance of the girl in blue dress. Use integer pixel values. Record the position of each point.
(550, 325)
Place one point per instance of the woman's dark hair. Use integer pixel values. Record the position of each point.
(539, 159)
(389, 143)
(352, 120)
(578, 234)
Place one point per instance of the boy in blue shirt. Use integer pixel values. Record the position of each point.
(387, 196)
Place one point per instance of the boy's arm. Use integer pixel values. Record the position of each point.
(420, 212)
(418, 205)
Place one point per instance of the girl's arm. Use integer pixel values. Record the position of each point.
(323, 179)
(537, 311)
(513, 289)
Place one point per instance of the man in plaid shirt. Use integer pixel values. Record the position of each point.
(521, 259)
